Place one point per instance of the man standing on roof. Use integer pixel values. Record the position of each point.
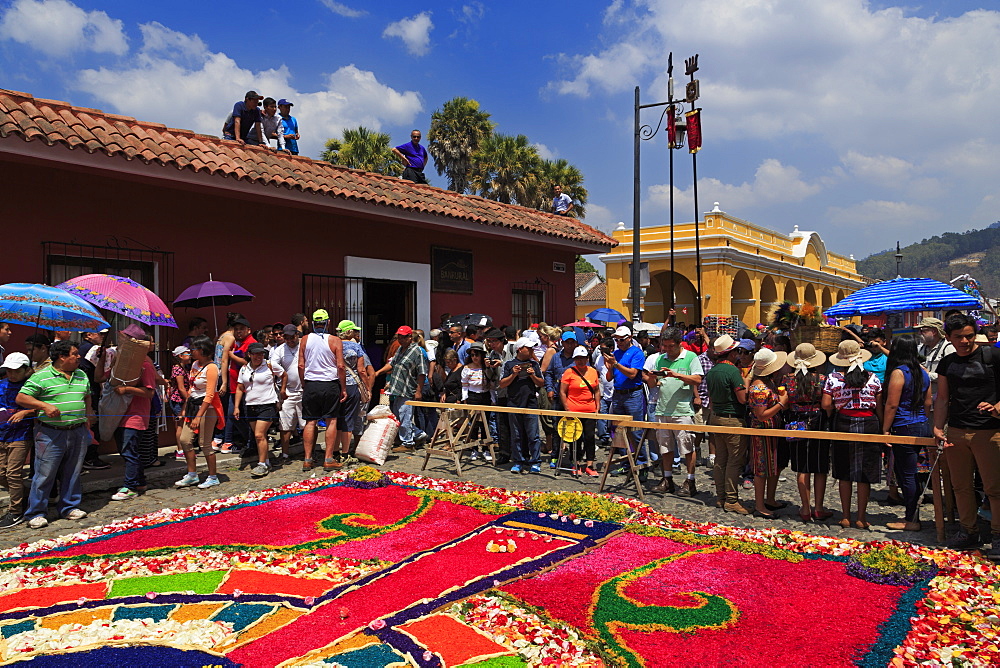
(562, 203)
(271, 124)
(414, 157)
(245, 116)
(291, 126)
(321, 366)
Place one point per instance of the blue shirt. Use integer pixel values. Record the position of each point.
(876, 365)
(553, 375)
(633, 358)
(291, 128)
(416, 157)
(462, 351)
(247, 119)
(11, 433)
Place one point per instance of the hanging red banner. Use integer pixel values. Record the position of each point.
(694, 130)
(671, 128)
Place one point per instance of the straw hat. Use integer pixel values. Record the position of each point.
(849, 353)
(766, 361)
(724, 344)
(981, 339)
(806, 357)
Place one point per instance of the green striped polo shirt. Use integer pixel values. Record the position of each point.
(66, 394)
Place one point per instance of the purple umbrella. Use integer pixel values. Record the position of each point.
(212, 293)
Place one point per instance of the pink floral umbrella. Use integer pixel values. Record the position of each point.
(121, 295)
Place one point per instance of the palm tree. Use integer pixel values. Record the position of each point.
(457, 130)
(505, 169)
(553, 172)
(365, 149)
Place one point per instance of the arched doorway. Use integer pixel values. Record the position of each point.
(810, 295)
(768, 297)
(791, 292)
(742, 299)
(657, 303)
(827, 299)
(840, 295)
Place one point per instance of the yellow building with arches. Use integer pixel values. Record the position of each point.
(745, 270)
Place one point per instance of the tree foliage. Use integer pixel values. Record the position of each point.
(506, 169)
(457, 130)
(931, 259)
(584, 266)
(365, 149)
(560, 172)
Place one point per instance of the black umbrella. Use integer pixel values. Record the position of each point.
(477, 319)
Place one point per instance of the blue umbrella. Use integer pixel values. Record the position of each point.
(606, 315)
(46, 307)
(903, 294)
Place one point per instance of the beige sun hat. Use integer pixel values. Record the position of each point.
(806, 357)
(724, 344)
(767, 361)
(848, 353)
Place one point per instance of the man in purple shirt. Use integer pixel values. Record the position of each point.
(414, 157)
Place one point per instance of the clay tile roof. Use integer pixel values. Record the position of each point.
(52, 121)
(583, 278)
(598, 293)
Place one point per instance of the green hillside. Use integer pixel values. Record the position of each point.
(943, 258)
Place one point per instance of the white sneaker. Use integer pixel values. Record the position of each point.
(260, 470)
(188, 480)
(487, 457)
(38, 522)
(474, 455)
(711, 460)
(75, 514)
(179, 456)
(124, 494)
(210, 481)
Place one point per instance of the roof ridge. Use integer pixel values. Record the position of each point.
(23, 114)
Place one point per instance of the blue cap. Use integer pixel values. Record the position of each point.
(567, 335)
(282, 102)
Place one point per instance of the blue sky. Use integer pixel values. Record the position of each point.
(865, 121)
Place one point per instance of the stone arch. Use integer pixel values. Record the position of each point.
(827, 299)
(791, 292)
(810, 294)
(840, 295)
(744, 305)
(658, 298)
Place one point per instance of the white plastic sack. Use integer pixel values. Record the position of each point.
(376, 443)
(379, 412)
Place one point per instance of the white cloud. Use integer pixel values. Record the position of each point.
(174, 79)
(880, 213)
(60, 28)
(601, 218)
(343, 10)
(545, 153)
(613, 70)
(414, 31)
(880, 169)
(774, 183)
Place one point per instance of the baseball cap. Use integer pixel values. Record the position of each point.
(320, 315)
(256, 347)
(581, 351)
(252, 94)
(404, 330)
(347, 326)
(566, 336)
(524, 342)
(289, 330)
(180, 350)
(15, 361)
(623, 331)
(283, 102)
(747, 344)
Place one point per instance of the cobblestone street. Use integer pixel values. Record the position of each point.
(235, 475)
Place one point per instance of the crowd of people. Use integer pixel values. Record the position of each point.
(229, 393)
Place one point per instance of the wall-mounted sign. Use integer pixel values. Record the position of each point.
(559, 267)
(451, 270)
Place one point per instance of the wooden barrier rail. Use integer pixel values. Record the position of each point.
(628, 425)
(786, 433)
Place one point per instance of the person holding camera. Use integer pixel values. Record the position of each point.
(522, 376)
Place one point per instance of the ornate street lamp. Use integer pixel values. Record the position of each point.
(679, 125)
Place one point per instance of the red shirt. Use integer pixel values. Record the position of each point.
(240, 350)
(696, 348)
(136, 415)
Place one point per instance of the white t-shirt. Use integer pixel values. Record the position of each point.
(258, 384)
(561, 203)
(287, 357)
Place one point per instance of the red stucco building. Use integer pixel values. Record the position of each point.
(92, 192)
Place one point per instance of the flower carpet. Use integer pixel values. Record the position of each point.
(370, 569)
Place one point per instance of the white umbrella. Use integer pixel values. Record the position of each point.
(646, 327)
